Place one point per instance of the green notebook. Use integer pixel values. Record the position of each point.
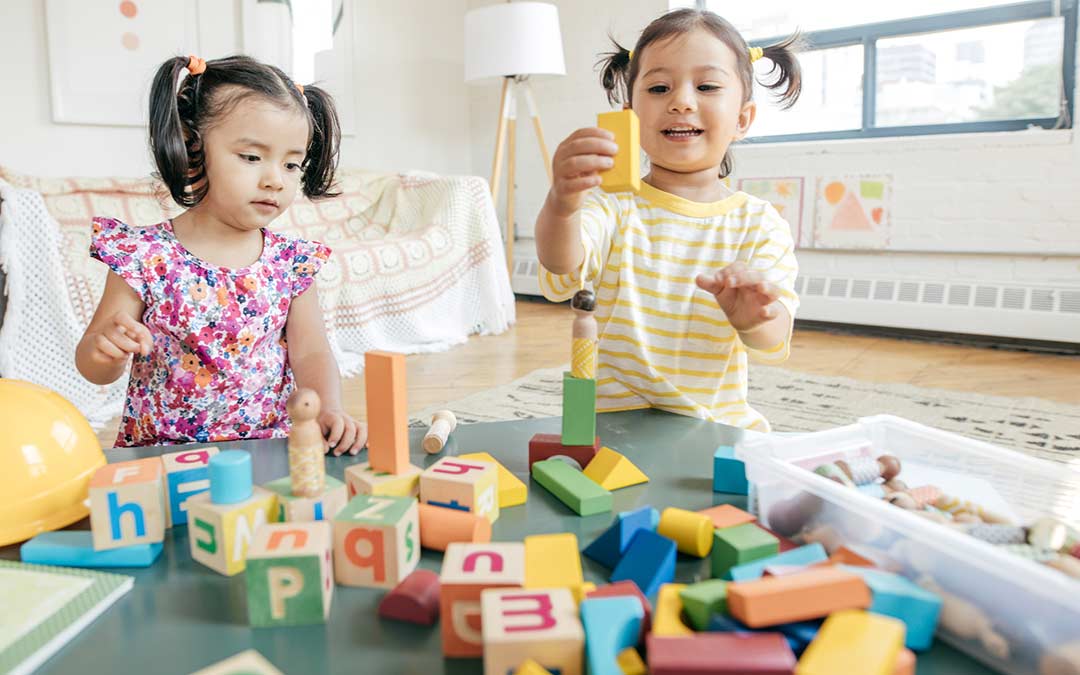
(45, 607)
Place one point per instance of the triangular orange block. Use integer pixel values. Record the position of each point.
(613, 471)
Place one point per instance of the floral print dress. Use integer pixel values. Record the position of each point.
(219, 369)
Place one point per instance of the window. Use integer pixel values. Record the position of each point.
(921, 67)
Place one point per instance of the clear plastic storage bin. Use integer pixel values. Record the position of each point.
(1012, 614)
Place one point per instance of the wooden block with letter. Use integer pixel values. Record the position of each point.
(538, 624)
(853, 641)
(462, 484)
(771, 601)
(387, 411)
(289, 574)
(323, 506)
(363, 480)
(376, 541)
(467, 570)
(625, 176)
(127, 504)
(187, 473)
(220, 533)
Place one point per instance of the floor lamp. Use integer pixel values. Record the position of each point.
(513, 40)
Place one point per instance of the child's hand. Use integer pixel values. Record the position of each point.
(342, 432)
(121, 337)
(743, 294)
(576, 167)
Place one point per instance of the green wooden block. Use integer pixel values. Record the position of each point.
(702, 600)
(742, 544)
(578, 411)
(572, 487)
(289, 577)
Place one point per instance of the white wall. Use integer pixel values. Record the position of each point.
(412, 101)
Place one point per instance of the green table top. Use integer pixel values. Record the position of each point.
(181, 616)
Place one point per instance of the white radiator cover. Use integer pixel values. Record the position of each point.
(1023, 311)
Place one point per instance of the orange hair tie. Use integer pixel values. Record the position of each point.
(195, 65)
(300, 87)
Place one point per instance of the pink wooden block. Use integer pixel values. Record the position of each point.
(720, 654)
(416, 599)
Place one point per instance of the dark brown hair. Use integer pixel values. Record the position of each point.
(618, 71)
(180, 119)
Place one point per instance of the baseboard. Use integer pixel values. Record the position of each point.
(938, 337)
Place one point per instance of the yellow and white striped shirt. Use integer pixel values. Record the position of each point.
(664, 342)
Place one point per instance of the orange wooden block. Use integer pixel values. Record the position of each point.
(440, 526)
(905, 663)
(771, 601)
(726, 515)
(845, 556)
(387, 417)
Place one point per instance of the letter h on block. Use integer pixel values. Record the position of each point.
(289, 574)
(462, 484)
(187, 474)
(538, 624)
(376, 541)
(127, 504)
(468, 569)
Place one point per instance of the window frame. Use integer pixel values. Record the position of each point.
(867, 36)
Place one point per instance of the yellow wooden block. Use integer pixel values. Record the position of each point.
(612, 471)
(630, 662)
(530, 667)
(364, 480)
(579, 592)
(220, 533)
(512, 491)
(666, 618)
(552, 561)
(625, 176)
(854, 641)
(692, 532)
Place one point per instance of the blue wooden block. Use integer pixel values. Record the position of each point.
(800, 634)
(75, 548)
(611, 624)
(649, 562)
(723, 623)
(230, 477)
(609, 547)
(903, 599)
(803, 555)
(729, 474)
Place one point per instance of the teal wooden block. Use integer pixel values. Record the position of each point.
(579, 410)
(803, 555)
(740, 544)
(729, 474)
(572, 487)
(702, 600)
(903, 599)
(609, 547)
(75, 548)
(611, 625)
(649, 562)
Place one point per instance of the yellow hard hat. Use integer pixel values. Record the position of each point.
(48, 453)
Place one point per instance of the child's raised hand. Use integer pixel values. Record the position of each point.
(342, 432)
(121, 337)
(743, 294)
(576, 167)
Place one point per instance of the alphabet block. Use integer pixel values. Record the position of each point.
(538, 624)
(127, 504)
(376, 541)
(187, 474)
(462, 484)
(221, 533)
(387, 411)
(289, 574)
(467, 570)
(294, 509)
(363, 480)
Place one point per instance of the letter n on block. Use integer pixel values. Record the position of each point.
(127, 504)
(462, 484)
(376, 541)
(538, 624)
(468, 569)
(289, 575)
(187, 474)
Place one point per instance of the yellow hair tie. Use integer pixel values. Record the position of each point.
(630, 55)
(195, 65)
(756, 53)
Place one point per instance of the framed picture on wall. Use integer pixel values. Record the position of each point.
(103, 55)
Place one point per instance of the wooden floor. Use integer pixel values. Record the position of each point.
(540, 339)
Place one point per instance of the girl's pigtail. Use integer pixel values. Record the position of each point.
(789, 78)
(615, 73)
(172, 116)
(322, 153)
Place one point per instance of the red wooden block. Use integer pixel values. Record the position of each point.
(416, 599)
(720, 653)
(785, 543)
(545, 446)
(626, 587)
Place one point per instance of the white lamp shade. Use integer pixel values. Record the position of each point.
(513, 38)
